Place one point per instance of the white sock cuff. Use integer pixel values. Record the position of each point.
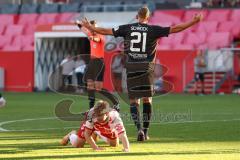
(73, 138)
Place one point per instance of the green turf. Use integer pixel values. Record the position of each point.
(191, 127)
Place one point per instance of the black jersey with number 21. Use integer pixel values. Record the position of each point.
(140, 40)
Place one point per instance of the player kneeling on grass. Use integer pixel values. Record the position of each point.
(102, 121)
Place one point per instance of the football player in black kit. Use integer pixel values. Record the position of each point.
(140, 47)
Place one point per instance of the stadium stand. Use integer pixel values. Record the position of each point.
(196, 36)
(47, 18)
(15, 24)
(9, 8)
(14, 30)
(49, 8)
(1, 29)
(29, 8)
(7, 19)
(5, 40)
(27, 19)
(72, 7)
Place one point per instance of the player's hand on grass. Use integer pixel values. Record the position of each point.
(98, 149)
(125, 150)
(197, 17)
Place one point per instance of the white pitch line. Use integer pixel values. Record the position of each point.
(22, 120)
(43, 129)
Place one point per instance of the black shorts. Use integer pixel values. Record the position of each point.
(199, 76)
(95, 70)
(140, 78)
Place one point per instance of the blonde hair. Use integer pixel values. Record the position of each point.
(101, 107)
(143, 12)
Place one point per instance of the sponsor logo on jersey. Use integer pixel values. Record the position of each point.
(137, 56)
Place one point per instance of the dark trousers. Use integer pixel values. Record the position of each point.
(68, 79)
(79, 79)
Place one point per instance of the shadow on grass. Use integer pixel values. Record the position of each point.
(122, 154)
(24, 137)
(30, 146)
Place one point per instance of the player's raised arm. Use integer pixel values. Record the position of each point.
(86, 31)
(80, 26)
(99, 30)
(178, 28)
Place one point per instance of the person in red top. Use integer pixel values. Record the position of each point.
(103, 121)
(95, 70)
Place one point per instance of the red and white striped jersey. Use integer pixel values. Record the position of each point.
(111, 128)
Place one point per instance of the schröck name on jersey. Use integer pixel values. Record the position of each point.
(138, 28)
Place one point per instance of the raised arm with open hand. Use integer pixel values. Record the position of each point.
(180, 27)
(99, 30)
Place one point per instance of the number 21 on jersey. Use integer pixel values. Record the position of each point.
(141, 37)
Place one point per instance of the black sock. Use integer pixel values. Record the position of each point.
(147, 113)
(91, 98)
(134, 110)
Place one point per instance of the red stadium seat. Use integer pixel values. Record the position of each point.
(160, 16)
(219, 39)
(190, 13)
(2, 27)
(28, 48)
(11, 48)
(220, 15)
(176, 13)
(6, 19)
(229, 26)
(66, 17)
(28, 19)
(5, 40)
(163, 47)
(166, 40)
(29, 29)
(202, 46)
(14, 30)
(235, 16)
(23, 40)
(196, 38)
(47, 18)
(20, 42)
(173, 39)
(183, 47)
(208, 27)
(179, 38)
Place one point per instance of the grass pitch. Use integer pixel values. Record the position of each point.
(185, 127)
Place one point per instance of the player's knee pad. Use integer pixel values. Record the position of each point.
(73, 138)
